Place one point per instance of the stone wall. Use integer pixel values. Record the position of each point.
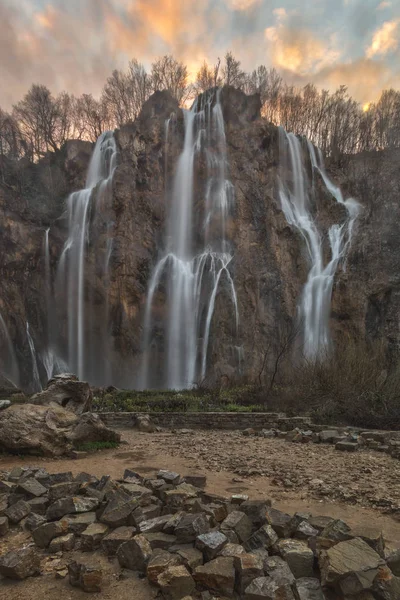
(200, 420)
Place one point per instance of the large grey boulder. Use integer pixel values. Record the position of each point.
(67, 391)
(49, 430)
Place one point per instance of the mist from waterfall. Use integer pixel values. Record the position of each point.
(297, 196)
(72, 268)
(36, 383)
(197, 256)
(9, 364)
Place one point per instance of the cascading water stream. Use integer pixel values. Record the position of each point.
(193, 275)
(296, 196)
(35, 371)
(72, 265)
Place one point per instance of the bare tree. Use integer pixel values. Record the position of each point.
(169, 74)
(232, 73)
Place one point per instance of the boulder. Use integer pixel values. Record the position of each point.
(63, 543)
(145, 424)
(69, 506)
(352, 565)
(239, 523)
(86, 575)
(92, 536)
(19, 564)
(18, 511)
(265, 588)
(111, 542)
(298, 556)
(135, 553)
(159, 562)
(309, 588)
(247, 567)
(66, 391)
(217, 575)
(49, 430)
(211, 544)
(176, 582)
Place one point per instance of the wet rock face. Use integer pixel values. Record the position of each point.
(269, 265)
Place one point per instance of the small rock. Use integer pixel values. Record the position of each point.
(232, 550)
(248, 567)
(3, 525)
(18, 511)
(33, 521)
(169, 477)
(309, 588)
(280, 522)
(92, 536)
(63, 543)
(217, 575)
(69, 506)
(61, 574)
(32, 488)
(78, 523)
(249, 431)
(346, 446)
(198, 481)
(64, 489)
(87, 575)
(191, 557)
(159, 562)
(238, 499)
(337, 530)
(39, 505)
(211, 544)
(265, 537)
(112, 541)
(304, 531)
(119, 509)
(239, 523)
(78, 454)
(279, 570)
(265, 588)
(190, 526)
(256, 510)
(298, 556)
(135, 553)
(176, 582)
(20, 564)
(153, 525)
(160, 540)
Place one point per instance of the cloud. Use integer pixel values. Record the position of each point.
(385, 39)
(296, 48)
(242, 4)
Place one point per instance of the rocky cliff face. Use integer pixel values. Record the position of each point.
(269, 267)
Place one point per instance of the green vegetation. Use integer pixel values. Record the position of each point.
(92, 446)
(238, 399)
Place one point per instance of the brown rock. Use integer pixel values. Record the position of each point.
(19, 564)
(63, 543)
(112, 541)
(92, 536)
(176, 582)
(87, 575)
(135, 553)
(217, 575)
(159, 562)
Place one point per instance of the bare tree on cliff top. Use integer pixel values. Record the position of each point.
(169, 74)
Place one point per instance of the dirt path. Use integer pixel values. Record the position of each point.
(353, 486)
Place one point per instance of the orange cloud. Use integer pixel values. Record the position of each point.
(385, 39)
(242, 4)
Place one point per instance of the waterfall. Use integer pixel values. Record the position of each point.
(35, 371)
(197, 257)
(9, 364)
(297, 201)
(72, 268)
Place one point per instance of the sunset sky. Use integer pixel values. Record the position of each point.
(75, 44)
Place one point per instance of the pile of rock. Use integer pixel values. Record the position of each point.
(345, 438)
(188, 542)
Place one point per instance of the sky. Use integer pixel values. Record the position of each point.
(74, 45)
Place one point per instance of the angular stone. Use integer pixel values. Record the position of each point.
(191, 557)
(372, 536)
(328, 436)
(174, 521)
(217, 575)
(160, 540)
(239, 523)
(39, 505)
(18, 511)
(53, 478)
(304, 531)
(135, 490)
(69, 506)
(3, 525)
(337, 531)
(92, 536)
(43, 534)
(265, 588)
(256, 510)
(232, 550)
(280, 522)
(393, 561)
(298, 518)
(346, 446)
(159, 562)
(279, 570)
(6, 487)
(248, 567)
(309, 588)
(32, 488)
(153, 525)
(238, 499)
(176, 582)
(19, 564)
(145, 513)
(63, 490)
(169, 476)
(198, 481)
(320, 523)
(386, 585)
(84, 477)
(32, 521)
(63, 543)
(135, 553)
(299, 557)
(265, 537)
(78, 523)
(353, 560)
(211, 544)
(119, 509)
(112, 541)
(190, 526)
(87, 575)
